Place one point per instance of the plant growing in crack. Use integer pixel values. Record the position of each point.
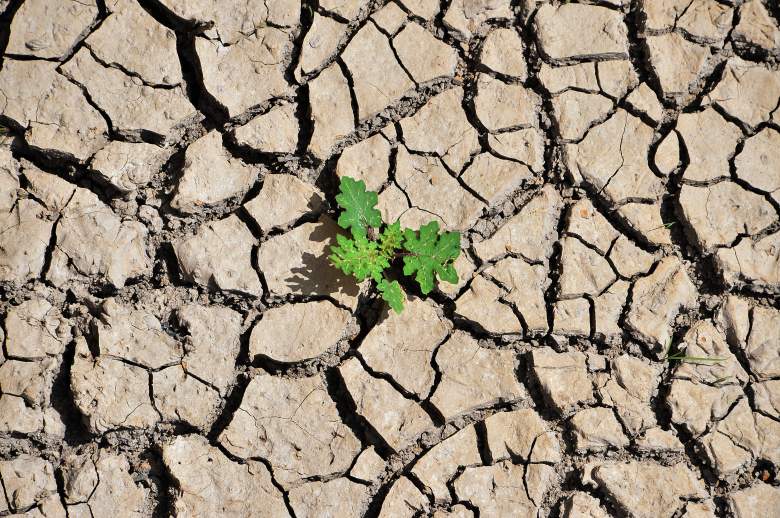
(374, 246)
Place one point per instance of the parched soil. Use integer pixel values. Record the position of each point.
(176, 343)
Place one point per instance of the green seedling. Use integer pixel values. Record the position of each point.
(680, 356)
(374, 246)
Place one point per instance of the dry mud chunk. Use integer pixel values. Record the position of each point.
(390, 18)
(710, 141)
(456, 511)
(398, 420)
(740, 438)
(582, 505)
(656, 440)
(35, 329)
(110, 393)
(47, 29)
(51, 110)
(431, 188)
(616, 78)
(658, 299)
(275, 131)
(667, 154)
(403, 345)
(531, 233)
(136, 336)
(521, 434)
(378, 79)
(331, 110)
(759, 161)
(502, 105)
(694, 404)
(210, 175)
(210, 484)
(481, 305)
(105, 484)
(320, 42)
(677, 63)
(644, 489)
(16, 416)
(527, 285)
(213, 343)
(630, 391)
(25, 231)
(487, 378)
(524, 145)
(496, 490)
(585, 222)
(761, 349)
(502, 52)
(601, 32)
(283, 200)
(441, 127)
(157, 110)
(403, 500)
(293, 424)
(464, 17)
(571, 317)
(755, 502)
(576, 111)
(131, 39)
(180, 397)
(620, 176)
(583, 270)
(296, 263)
(127, 165)
(766, 397)
(747, 91)
(219, 257)
(704, 20)
(336, 498)
(368, 160)
(368, 467)
(298, 332)
(643, 98)
(597, 429)
(645, 219)
(629, 259)
(233, 20)
(756, 28)
(581, 76)
(248, 73)
(394, 206)
(608, 309)
(441, 463)
(705, 341)
(494, 178)
(563, 378)
(719, 213)
(348, 9)
(753, 263)
(92, 242)
(425, 57)
(31, 381)
(27, 480)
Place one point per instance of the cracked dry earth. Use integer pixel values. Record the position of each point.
(175, 342)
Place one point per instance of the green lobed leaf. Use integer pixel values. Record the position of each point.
(358, 205)
(391, 239)
(392, 294)
(430, 255)
(359, 256)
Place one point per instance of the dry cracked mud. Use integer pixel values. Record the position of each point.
(175, 342)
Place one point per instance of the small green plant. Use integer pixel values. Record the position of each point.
(374, 246)
(680, 356)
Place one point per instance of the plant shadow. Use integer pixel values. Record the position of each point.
(315, 275)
